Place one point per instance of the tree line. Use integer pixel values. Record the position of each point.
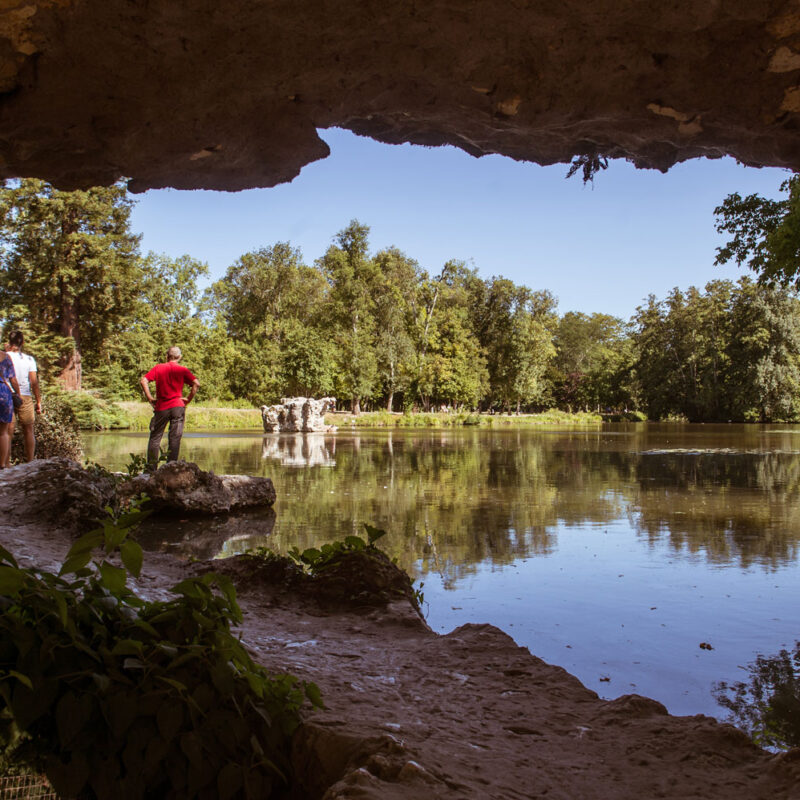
(376, 329)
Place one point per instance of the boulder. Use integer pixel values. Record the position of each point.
(298, 415)
(57, 491)
(183, 486)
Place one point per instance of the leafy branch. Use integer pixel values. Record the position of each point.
(113, 695)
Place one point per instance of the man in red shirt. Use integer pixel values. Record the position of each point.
(169, 404)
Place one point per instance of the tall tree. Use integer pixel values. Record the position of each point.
(450, 362)
(398, 280)
(515, 329)
(271, 304)
(69, 259)
(354, 282)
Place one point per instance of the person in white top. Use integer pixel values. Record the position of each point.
(27, 377)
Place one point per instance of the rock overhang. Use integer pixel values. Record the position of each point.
(200, 94)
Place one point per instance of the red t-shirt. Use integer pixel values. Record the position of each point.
(169, 379)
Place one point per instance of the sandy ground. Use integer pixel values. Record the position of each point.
(413, 714)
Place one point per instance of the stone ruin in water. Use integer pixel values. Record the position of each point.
(298, 415)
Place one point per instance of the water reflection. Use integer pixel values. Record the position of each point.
(454, 499)
(205, 539)
(613, 552)
(300, 450)
(767, 706)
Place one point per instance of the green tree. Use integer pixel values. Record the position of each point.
(450, 362)
(593, 363)
(271, 305)
(731, 353)
(398, 278)
(354, 281)
(765, 234)
(69, 265)
(764, 354)
(514, 328)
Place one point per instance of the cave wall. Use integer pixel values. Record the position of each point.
(202, 94)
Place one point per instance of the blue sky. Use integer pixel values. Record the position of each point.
(601, 248)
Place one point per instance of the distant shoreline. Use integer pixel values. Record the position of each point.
(202, 417)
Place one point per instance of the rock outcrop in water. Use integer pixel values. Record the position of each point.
(298, 415)
(60, 492)
(183, 486)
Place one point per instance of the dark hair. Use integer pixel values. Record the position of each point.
(17, 339)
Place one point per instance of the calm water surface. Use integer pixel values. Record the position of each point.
(613, 552)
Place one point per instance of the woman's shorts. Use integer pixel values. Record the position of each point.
(25, 415)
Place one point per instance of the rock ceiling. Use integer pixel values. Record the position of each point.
(229, 95)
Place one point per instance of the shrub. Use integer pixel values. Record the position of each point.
(94, 414)
(56, 432)
(111, 695)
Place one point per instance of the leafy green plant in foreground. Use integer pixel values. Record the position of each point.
(315, 560)
(114, 696)
(358, 567)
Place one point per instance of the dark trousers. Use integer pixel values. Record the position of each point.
(173, 416)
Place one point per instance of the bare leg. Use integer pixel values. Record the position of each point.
(5, 445)
(30, 441)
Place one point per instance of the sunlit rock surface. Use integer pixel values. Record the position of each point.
(297, 415)
(55, 491)
(229, 95)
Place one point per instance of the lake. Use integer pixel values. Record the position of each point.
(612, 551)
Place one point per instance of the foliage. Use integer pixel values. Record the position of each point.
(731, 353)
(767, 706)
(316, 560)
(56, 431)
(350, 573)
(588, 164)
(91, 413)
(593, 363)
(766, 234)
(354, 282)
(138, 463)
(113, 695)
(69, 267)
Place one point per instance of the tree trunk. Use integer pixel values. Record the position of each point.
(389, 402)
(355, 405)
(71, 367)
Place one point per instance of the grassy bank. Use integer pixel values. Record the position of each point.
(383, 419)
(94, 414)
(198, 417)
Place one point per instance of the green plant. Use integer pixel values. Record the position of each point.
(316, 560)
(110, 694)
(137, 463)
(56, 430)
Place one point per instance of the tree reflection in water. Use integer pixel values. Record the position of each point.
(767, 706)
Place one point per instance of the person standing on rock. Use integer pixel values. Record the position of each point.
(169, 404)
(28, 379)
